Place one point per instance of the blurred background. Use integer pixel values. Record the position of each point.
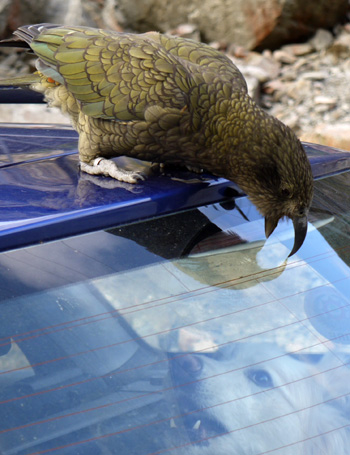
(294, 54)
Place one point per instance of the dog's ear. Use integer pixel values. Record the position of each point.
(307, 358)
(5, 348)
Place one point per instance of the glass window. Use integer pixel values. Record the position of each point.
(187, 334)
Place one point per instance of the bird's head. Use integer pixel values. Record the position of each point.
(276, 175)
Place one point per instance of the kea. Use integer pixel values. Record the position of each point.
(168, 100)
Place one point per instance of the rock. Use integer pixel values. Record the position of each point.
(264, 62)
(5, 6)
(64, 12)
(321, 40)
(247, 23)
(16, 13)
(299, 89)
(301, 62)
(342, 40)
(218, 20)
(322, 109)
(31, 113)
(298, 49)
(346, 68)
(188, 31)
(274, 86)
(237, 51)
(284, 57)
(327, 100)
(301, 18)
(315, 75)
(256, 72)
(340, 49)
(333, 135)
(94, 13)
(290, 119)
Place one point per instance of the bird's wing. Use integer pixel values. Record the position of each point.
(204, 57)
(113, 75)
(116, 75)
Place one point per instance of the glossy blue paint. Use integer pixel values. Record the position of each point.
(9, 95)
(44, 196)
(326, 161)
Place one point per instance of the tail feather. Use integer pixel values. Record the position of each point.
(21, 81)
(28, 33)
(25, 35)
(24, 38)
(14, 42)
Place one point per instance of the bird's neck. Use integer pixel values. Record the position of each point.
(246, 124)
(251, 138)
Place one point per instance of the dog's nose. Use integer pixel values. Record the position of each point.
(186, 363)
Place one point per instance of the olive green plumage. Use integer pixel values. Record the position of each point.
(171, 100)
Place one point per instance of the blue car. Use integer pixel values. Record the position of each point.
(155, 318)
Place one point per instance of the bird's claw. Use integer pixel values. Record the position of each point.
(162, 168)
(196, 170)
(102, 166)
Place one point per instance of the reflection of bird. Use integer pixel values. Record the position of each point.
(170, 100)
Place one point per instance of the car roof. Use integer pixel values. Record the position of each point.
(44, 196)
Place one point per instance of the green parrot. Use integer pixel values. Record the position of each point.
(171, 100)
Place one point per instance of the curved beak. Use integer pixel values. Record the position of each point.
(270, 225)
(300, 230)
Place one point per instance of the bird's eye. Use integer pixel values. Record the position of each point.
(286, 193)
(261, 378)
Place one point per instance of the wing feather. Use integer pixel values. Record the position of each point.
(117, 75)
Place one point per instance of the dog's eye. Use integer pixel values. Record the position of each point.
(261, 378)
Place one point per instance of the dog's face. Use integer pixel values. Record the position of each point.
(254, 398)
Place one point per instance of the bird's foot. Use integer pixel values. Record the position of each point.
(102, 166)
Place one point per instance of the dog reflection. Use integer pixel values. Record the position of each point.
(255, 398)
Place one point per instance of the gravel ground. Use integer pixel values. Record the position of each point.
(305, 85)
(31, 113)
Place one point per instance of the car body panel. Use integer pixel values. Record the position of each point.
(44, 196)
(20, 95)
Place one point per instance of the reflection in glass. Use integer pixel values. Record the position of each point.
(115, 343)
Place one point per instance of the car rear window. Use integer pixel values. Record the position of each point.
(186, 334)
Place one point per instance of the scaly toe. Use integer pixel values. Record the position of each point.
(102, 166)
